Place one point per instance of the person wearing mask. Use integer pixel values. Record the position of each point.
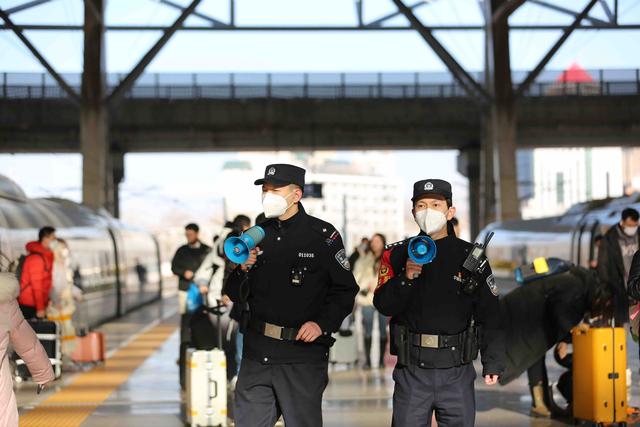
(36, 275)
(616, 252)
(16, 332)
(63, 295)
(433, 319)
(299, 288)
(365, 272)
(185, 263)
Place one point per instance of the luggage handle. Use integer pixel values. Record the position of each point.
(215, 388)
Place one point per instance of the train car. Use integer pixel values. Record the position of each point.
(117, 267)
(569, 236)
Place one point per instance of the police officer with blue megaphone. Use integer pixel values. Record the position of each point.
(299, 289)
(434, 315)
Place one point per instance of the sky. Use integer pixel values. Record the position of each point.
(185, 178)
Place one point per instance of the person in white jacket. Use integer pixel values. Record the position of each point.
(63, 295)
(365, 272)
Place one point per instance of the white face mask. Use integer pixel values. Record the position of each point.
(630, 231)
(430, 220)
(274, 205)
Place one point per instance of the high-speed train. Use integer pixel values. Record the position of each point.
(569, 236)
(117, 267)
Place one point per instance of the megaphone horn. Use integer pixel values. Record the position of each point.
(422, 249)
(237, 249)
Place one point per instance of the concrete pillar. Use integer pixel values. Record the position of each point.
(502, 120)
(94, 140)
(469, 166)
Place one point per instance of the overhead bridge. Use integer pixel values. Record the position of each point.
(213, 112)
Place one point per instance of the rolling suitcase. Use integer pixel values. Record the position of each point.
(206, 380)
(89, 348)
(345, 349)
(599, 382)
(49, 334)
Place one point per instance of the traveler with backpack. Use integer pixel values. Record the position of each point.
(35, 274)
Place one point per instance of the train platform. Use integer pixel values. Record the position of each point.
(138, 385)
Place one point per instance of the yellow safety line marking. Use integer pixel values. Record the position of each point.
(73, 404)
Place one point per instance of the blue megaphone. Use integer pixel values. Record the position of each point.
(237, 249)
(422, 249)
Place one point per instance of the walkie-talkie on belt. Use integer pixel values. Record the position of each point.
(474, 265)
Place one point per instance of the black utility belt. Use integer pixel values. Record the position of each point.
(436, 341)
(270, 330)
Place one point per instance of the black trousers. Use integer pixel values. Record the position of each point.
(28, 312)
(419, 392)
(264, 392)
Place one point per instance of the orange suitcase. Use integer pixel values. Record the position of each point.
(89, 348)
(599, 375)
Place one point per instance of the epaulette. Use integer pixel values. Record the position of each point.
(325, 229)
(396, 244)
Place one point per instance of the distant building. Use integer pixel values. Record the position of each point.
(360, 205)
(566, 176)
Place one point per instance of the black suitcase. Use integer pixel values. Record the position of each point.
(49, 335)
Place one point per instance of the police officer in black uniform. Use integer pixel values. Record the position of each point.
(299, 289)
(440, 313)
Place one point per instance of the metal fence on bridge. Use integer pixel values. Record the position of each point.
(317, 85)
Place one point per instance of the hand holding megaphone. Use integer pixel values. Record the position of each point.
(252, 259)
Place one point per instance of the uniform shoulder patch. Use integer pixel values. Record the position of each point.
(343, 260)
(491, 282)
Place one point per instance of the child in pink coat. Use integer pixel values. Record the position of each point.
(16, 331)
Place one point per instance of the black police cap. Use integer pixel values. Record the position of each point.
(431, 186)
(282, 174)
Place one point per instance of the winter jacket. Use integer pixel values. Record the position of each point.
(35, 281)
(188, 258)
(538, 315)
(612, 273)
(365, 272)
(15, 331)
(633, 284)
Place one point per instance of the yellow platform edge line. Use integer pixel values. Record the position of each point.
(80, 399)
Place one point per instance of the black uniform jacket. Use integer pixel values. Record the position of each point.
(325, 295)
(188, 258)
(435, 304)
(540, 314)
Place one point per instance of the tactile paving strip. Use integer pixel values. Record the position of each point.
(73, 404)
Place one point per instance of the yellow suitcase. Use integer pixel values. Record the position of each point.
(599, 375)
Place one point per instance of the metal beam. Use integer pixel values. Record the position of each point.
(607, 11)
(214, 22)
(533, 75)
(359, 12)
(57, 77)
(378, 22)
(25, 6)
(130, 79)
(250, 28)
(570, 12)
(460, 74)
(506, 9)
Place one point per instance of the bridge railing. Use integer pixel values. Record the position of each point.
(316, 86)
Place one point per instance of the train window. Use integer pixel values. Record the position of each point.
(613, 213)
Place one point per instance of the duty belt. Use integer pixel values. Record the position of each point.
(435, 341)
(273, 331)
